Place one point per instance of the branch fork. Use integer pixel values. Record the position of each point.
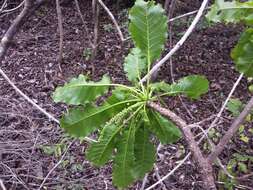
(204, 162)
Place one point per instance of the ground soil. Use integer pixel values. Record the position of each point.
(32, 66)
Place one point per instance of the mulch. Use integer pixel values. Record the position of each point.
(32, 65)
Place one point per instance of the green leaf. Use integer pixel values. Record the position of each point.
(79, 91)
(244, 138)
(101, 152)
(242, 167)
(231, 12)
(148, 28)
(164, 129)
(235, 106)
(123, 174)
(81, 123)
(240, 157)
(251, 88)
(242, 54)
(192, 86)
(144, 152)
(135, 65)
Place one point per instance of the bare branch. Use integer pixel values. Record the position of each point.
(113, 20)
(83, 21)
(60, 26)
(2, 185)
(206, 167)
(27, 98)
(9, 35)
(232, 130)
(226, 101)
(55, 166)
(184, 15)
(14, 9)
(3, 6)
(95, 11)
(170, 173)
(179, 43)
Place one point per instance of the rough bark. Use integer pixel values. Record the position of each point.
(206, 169)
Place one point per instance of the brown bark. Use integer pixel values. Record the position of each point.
(60, 26)
(95, 10)
(206, 169)
(30, 7)
(230, 133)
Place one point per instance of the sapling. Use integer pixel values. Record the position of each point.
(124, 121)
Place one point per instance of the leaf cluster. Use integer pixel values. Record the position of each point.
(125, 123)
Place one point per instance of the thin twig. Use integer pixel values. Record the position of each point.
(170, 14)
(51, 117)
(159, 177)
(83, 21)
(184, 15)
(3, 6)
(55, 166)
(232, 130)
(226, 101)
(144, 182)
(14, 9)
(113, 20)
(170, 173)
(179, 43)
(15, 176)
(2, 185)
(15, 26)
(4, 45)
(206, 167)
(60, 26)
(203, 137)
(95, 12)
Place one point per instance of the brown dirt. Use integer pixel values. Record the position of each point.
(31, 64)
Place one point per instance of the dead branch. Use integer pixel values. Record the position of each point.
(2, 185)
(95, 11)
(83, 21)
(232, 130)
(14, 9)
(60, 26)
(29, 8)
(9, 35)
(55, 166)
(113, 20)
(206, 167)
(170, 173)
(3, 6)
(205, 163)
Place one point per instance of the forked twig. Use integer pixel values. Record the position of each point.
(8, 36)
(14, 9)
(206, 167)
(203, 137)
